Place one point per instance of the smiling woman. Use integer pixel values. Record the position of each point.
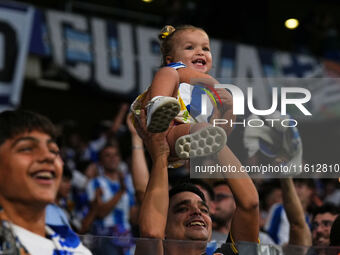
(30, 174)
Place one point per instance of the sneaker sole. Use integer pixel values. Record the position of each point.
(162, 117)
(205, 142)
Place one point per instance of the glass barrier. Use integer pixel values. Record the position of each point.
(143, 246)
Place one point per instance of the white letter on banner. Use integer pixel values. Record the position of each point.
(2, 50)
(248, 64)
(15, 30)
(9, 49)
(298, 102)
(149, 61)
(215, 48)
(125, 81)
(56, 21)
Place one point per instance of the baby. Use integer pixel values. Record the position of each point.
(172, 99)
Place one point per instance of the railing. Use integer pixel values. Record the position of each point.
(142, 246)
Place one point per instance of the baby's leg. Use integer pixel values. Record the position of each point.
(174, 133)
(165, 83)
(162, 106)
(195, 140)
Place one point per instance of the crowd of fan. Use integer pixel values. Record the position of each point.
(101, 192)
(103, 195)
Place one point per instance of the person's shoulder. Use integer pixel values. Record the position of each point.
(55, 215)
(70, 240)
(225, 249)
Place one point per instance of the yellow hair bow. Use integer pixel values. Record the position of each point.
(164, 35)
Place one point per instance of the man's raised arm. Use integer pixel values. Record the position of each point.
(245, 222)
(154, 208)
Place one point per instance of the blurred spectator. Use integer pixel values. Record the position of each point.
(115, 205)
(77, 201)
(305, 189)
(274, 144)
(334, 236)
(299, 232)
(59, 213)
(70, 206)
(277, 225)
(225, 207)
(106, 132)
(332, 190)
(323, 218)
(224, 210)
(72, 144)
(270, 193)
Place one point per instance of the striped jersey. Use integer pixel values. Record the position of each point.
(115, 223)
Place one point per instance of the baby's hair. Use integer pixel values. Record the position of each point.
(166, 38)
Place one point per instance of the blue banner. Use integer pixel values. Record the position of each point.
(121, 58)
(15, 29)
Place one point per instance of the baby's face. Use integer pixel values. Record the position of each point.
(192, 47)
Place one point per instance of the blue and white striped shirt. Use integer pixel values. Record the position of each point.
(117, 222)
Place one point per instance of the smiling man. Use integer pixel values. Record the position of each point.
(183, 215)
(30, 174)
(323, 218)
(181, 225)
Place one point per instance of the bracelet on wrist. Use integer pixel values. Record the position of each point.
(137, 147)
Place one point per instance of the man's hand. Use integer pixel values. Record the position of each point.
(130, 125)
(224, 111)
(155, 143)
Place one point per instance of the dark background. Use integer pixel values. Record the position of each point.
(258, 23)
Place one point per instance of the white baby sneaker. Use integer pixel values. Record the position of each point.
(161, 110)
(204, 142)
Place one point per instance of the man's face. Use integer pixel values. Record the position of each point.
(188, 218)
(192, 47)
(30, 169)
(224, 204)
(110, 158)
(208, 199)
(321, 228)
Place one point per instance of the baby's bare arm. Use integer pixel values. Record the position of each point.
(165, 83)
